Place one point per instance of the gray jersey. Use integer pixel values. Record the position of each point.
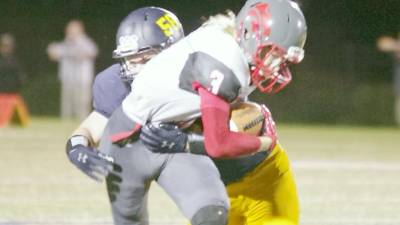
(162, 92)
(109, 91)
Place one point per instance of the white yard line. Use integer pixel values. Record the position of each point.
(352, 221)
(345, 165)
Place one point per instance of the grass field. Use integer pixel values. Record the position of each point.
(345, 175)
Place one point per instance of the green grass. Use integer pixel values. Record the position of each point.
(345, 175)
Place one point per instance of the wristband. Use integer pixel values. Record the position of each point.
(195, 144)
(76, 140)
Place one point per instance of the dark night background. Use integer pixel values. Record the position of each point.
(343, 79)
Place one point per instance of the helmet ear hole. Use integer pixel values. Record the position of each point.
(246, 34)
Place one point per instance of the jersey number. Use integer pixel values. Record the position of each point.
(216, 80)
(167, 24)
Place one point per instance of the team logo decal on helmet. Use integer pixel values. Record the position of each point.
(128, 43)
(258, 15)
(168, 24)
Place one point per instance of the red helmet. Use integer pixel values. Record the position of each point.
(271, 34)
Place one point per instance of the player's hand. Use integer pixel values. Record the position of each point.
(269, 127)
(164, 138)
(91, 162)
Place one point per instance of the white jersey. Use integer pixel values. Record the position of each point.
(162, 91)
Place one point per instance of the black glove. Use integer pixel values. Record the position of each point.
(164, 138)
(91, 162)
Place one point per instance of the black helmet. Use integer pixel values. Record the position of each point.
(145, 31)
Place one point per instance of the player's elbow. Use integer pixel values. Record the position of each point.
(215, 153)
(216, 150)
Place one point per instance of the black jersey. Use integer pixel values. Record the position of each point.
(109, 91)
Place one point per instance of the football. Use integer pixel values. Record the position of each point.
(247, 117)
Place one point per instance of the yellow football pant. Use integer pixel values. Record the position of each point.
(266, 195)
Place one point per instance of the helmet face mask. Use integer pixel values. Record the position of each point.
(271, 34)
(144, 33)
(131, 65)
(269, 72)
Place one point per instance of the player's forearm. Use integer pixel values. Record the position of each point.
(219, 140)
(92, 128)
(196, 145)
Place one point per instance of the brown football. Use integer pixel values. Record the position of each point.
(247, 117)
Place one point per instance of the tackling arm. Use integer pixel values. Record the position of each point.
(80, 150)
(92, 128)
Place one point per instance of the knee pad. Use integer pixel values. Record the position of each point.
(210, 215)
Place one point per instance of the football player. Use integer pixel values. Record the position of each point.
(140, 37)
(260, 186)
(201, 75)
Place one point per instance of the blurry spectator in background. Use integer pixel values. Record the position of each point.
(12, 105)
(76, 56)
(392, 45)
(11, 74)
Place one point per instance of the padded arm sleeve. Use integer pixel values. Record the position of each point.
(219, 140)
